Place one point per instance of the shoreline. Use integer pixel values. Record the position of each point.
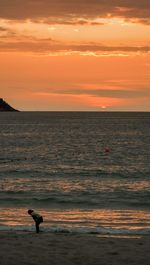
(72, 249)
(83, 231)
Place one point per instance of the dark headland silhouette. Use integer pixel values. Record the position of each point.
(4, 106)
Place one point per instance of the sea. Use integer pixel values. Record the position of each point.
(84, 172)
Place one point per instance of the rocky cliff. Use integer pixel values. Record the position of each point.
(5, 106)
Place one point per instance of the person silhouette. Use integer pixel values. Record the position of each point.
(37, 218)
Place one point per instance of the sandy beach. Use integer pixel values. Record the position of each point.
(19, 248)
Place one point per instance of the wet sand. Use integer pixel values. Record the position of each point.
(25, 248)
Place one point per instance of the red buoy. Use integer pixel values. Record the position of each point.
(107, 150)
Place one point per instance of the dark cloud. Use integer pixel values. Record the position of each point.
(140, 21)
(100, 48)
(19, 44)
(68, 21)
(6, 32)
(2, 29)
(68, 9)
(114, 93)
(45, 46)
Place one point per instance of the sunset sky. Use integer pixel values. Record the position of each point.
(82, 55)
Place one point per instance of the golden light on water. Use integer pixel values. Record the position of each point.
(70, 185)
(117, 219)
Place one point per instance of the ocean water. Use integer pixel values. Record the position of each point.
(85, 172)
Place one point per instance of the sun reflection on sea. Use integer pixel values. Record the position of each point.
(102, 218)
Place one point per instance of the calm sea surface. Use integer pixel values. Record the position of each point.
(85, 172)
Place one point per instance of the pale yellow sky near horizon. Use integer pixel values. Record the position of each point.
(75, 56)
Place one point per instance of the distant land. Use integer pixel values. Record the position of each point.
(4, 106)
